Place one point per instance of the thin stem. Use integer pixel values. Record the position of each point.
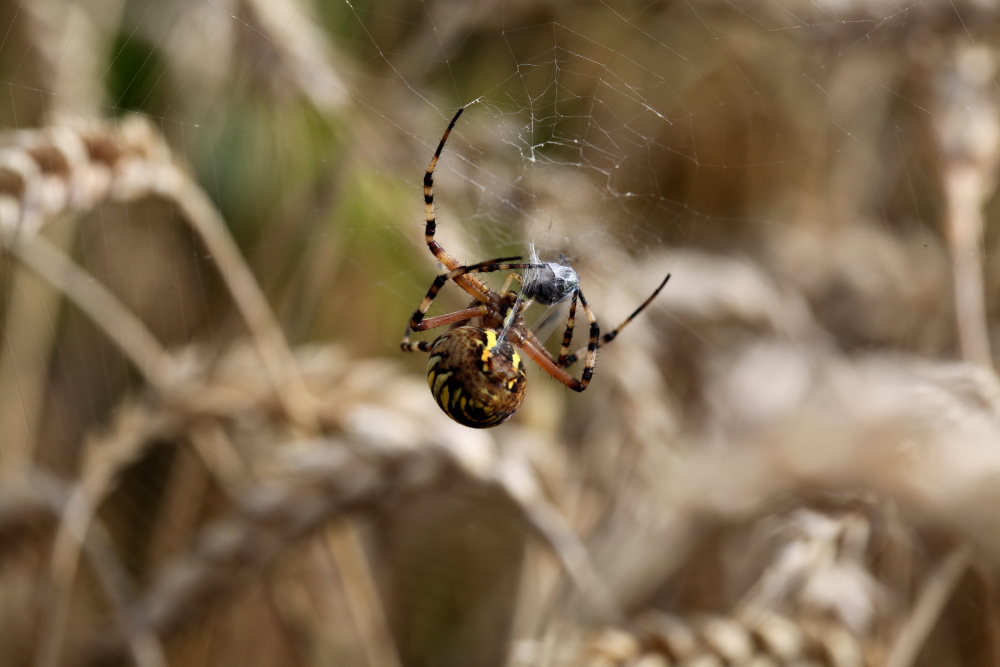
(267, 335)
(104, 309)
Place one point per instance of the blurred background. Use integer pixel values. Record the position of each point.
(212, 451)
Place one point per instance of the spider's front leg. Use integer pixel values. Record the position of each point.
(500, 264)
(431, 221)
(417, 321)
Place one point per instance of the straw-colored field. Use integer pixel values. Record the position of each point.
(213, 452)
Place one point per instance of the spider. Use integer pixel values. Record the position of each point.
(476, 373)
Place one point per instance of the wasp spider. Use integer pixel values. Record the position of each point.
(476, 373)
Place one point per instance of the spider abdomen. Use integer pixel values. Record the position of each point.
(476, 378)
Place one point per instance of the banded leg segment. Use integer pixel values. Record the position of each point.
(540, 356)
(534, 351)
(431, 228)
(595, 337)
(422, 346)
(489, 266)
(569, 360)
(470, 284)
(568, 333)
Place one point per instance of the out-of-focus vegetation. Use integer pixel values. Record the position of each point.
(212, 452)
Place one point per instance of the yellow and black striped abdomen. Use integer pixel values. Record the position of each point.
(476, 379)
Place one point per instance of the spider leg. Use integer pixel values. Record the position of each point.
(530, 336)
(457, 316)
(545, 361)
(439, 282)
(499, 264)
(508, 281)
(523, 303)
(417, 321)
(489, 266)
(440, 320)
(462, 323)
(595, 336)
(470, 284)
(567, 334)
(431, 228)
(565, 362)
(407, 346)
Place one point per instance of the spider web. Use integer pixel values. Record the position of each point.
(757, 128)
(641, 127)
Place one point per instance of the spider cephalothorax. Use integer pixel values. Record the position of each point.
(476, 373)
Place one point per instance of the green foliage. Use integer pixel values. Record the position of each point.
(138, 76)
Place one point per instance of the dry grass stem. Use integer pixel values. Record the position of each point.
(134, 431)
(249, 298)
(938, 590)
(274, 47)
(126, 330)
(969, 132)
(30, 328)
(548, 522)
(73, 167)
(369, 617)
(144, 647)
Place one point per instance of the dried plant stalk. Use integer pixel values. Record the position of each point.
(104, 309)
(969, 134)
(294, 495)
(939, 589)
(72, 167)
(30, 331)
(321, 481)
(345, 547)
(276, 41)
